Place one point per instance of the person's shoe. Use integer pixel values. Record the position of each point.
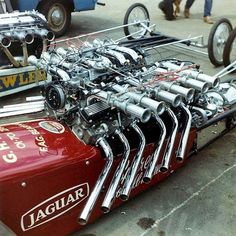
(186, 13)
(170, 17)
(208, 20)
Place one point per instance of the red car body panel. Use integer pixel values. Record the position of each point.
(47, 175)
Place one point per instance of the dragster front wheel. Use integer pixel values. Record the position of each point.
(216, 41)
(138, 16)
(229, 54)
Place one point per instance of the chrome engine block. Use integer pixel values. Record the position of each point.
(102, 87)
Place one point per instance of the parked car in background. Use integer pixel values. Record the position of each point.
(57, 12)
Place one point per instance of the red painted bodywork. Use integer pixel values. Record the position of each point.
(37, 167)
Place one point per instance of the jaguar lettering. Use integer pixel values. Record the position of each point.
(54, 207)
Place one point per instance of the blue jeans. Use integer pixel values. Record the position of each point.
(207, 7)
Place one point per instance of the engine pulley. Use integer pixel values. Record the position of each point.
(55, 97)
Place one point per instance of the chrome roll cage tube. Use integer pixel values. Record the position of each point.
(111, 192)
(83, 218)
(170, 142)
(135, 164)
(185, 134)
(156, 155)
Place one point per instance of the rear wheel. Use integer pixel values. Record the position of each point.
(217, 39)
(229, 54)
(58, 15)
(136, 13)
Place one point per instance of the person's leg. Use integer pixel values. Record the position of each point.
(188, 5)
(207, 7)
(162, 6)
(167, 7)
(207, 12)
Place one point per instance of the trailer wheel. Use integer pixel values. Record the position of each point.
(135, 14)
(58, 14)
(229, 54)
(216, 40)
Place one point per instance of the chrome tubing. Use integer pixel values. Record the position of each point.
(44, 34)
(135, 164)
(83, 218)
(173, 99)
(111, 192)
(119, 56)
(156, 155)
(62, 52)
(185, 134)
(157, 107)
(187, 93)
(212, 80)
(170, 142)
(203, 87)
(22, 36)
(129, 51)
(32, 60)
(5, 41)
(143, 114)
(129, 108)
(56, 60)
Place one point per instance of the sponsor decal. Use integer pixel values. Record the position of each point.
(54, 206)
(138, 180)
(13, 81)
(52, 127)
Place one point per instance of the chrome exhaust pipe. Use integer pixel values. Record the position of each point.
(22, 36)
(5, 41)
(156, 155)
(157, 107)
(11, 57)
(173, 99)
(111, 192)
(170, 142)
(185, 134)
(83, 218)
(203, 87)
(25, 54)
(187, 93)
(44, 34)
(135, 164)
